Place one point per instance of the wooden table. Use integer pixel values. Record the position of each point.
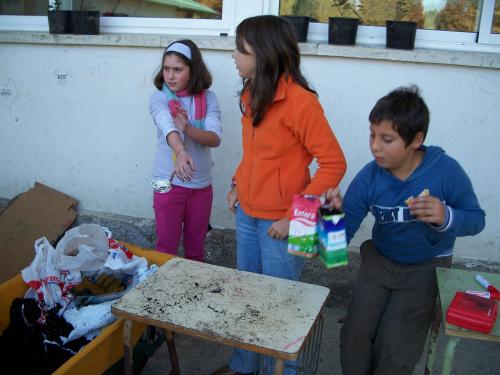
(264, 314)
(450, 281)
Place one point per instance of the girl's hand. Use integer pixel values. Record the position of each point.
(181, 119)
(232, 199)
(184, 166)
(279, 229)
(333, 196)
(428, 209)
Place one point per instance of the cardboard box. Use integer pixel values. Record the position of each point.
(40, 211)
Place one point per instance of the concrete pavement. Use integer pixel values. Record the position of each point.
(199, 357)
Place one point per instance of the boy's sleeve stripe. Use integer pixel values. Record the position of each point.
(448, 220)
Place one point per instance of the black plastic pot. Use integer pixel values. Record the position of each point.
(85, 22)
(59, 21)
(401, 34)
(300, 25)
(114, 14)
(342, 30)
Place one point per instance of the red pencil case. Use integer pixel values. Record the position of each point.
(472, 312)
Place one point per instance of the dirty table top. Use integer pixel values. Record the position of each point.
(246, 310)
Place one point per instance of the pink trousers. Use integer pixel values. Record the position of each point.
(187, 211)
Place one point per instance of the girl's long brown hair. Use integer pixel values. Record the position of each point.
(273, 41)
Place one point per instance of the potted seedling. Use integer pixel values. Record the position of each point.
(300, 26)
(301, 23)
(59, 20)
(86, 20)
(343, 29)
(401, 31)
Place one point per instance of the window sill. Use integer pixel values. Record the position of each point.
(418, 55)
(428, 56)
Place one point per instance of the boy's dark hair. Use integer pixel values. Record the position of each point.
(199, 78)
(277, 54)
(407, 111)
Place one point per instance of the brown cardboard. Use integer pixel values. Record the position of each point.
(40, 211)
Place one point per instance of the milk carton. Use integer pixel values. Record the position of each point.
(332, 238)
(303, 233)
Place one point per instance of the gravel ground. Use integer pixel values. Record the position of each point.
(198, 357)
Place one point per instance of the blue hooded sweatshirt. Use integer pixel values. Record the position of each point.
(396, 233)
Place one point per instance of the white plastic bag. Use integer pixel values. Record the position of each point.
(122, 259)
(118, 261)
(83, 248)
(42, 275)
(88, 319)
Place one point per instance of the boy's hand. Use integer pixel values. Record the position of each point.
(279, 229)
(428, 209)
(333, 196)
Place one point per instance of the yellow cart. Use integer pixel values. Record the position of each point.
(105, 350)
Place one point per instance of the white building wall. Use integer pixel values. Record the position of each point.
(76, 118)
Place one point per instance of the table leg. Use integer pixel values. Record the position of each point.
(172, 352)
(279, 367)
(128, 357)
(433, 338)
(449, 353)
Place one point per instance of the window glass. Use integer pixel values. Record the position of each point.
(450, 15)
(495, 27)
(23, 7)
(206, 9)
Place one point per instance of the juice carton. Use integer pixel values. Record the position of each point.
(303, 233)
(332, 238)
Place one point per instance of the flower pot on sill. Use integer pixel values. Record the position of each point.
(300, 25)
(342, 30)
(401, 34)
(59, 21)
(114, 14)
(85, 22)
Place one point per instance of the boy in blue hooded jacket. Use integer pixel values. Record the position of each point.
(421, 200)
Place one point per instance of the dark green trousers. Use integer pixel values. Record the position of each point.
(389, 314)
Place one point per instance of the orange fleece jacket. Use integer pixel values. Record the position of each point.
(277, 153)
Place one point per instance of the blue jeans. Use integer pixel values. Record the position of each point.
(259, 253)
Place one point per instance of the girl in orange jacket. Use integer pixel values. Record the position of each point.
(283, 130)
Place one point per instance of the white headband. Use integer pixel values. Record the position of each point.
(180, 48)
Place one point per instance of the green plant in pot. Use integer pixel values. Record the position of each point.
(401, 31)
(300, 23)
(59, 20)
(348, 8)
(300, 26)
(86, 20)
(342, 30)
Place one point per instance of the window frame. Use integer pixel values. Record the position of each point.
(233, 11)
(485, 24)
(139, 25)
